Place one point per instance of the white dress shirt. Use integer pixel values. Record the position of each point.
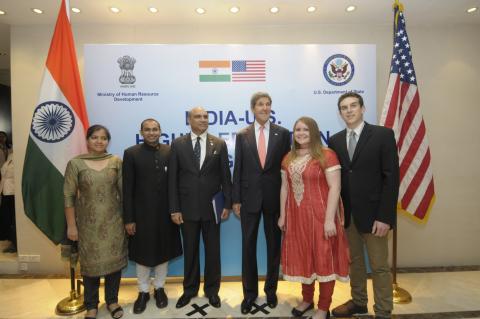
(203, 145)
(358, 130)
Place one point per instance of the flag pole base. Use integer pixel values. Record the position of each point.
(70, 305)
(400, 295)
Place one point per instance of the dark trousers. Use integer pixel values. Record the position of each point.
(191, 240)
(273, 235)
(7, 219)
(91, 284)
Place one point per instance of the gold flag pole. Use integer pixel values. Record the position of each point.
(74, 303)
(400, 295)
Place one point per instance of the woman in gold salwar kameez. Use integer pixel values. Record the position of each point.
(92, 190)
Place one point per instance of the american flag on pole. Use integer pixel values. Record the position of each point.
(248, 71)
(401, 112)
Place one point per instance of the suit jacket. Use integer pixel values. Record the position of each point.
(145, 202)
(370, 181)
(191, 189)
(253, 186)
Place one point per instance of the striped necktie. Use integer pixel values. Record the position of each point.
(197, 151)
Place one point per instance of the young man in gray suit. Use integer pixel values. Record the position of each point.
(198, 170)
(370, 182)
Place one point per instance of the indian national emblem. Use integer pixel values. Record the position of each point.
(126, 64)
(338, 69)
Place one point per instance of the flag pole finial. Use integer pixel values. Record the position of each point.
(399, 6)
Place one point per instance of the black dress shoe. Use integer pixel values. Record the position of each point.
(141, 302)
(10, 249)
(272, 301)
(161, 298)
(300, 313)
(183, 301)
(246, 306)
(214, 300)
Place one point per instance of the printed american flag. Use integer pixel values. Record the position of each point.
(248, 71)
(401, 112)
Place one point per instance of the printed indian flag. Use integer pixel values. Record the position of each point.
(214, 71)
(57, 133)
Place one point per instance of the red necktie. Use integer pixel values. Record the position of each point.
(262, 149)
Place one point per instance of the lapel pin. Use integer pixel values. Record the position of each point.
(276, 133)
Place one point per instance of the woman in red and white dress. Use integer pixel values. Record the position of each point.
(314, 246)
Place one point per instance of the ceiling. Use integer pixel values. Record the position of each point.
(252, 12)
(18, 12)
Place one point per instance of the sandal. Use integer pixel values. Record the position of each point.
(300, 313)
(116, 313)
(90, 317)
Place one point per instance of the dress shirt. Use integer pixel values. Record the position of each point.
(266, 131)
(358, 130)
(203, 145)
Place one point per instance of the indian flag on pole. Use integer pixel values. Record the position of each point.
(214, 71)
(57, 133)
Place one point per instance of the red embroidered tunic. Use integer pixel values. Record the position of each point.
(306, 254)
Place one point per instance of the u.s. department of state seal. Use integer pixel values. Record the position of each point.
(126, 64)
(52, 122)
(338, 69)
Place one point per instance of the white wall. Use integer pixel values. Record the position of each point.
(447, 67)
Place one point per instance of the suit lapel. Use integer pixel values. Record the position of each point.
(272, 141)
(343, 151)
(252, 143)
(362, 141)
(209, 148)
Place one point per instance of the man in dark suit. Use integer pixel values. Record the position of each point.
(259, 150)
(370, 182)
(153, 238)
(198, 170)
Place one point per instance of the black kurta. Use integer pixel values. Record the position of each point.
(145, 202)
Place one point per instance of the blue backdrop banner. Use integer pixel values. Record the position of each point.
(125, 84)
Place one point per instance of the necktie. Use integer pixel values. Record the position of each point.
(197, 151)
(262, 149)
(352, 143)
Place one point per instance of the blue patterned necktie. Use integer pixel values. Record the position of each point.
(197, 151)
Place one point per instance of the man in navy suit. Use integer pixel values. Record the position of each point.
(259, 150)
(198, 170)
(370, 182)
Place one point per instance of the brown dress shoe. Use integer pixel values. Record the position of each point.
(349, 309)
